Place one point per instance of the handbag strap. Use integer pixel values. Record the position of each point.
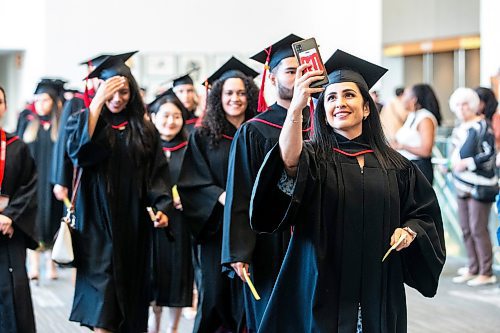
(77, 176)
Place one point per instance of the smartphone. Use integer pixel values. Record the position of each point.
(306, 51)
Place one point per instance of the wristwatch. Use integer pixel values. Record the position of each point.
(411, 232)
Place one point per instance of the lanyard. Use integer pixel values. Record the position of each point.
(3, 149)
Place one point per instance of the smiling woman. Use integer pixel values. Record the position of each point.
(172, 276)
(350, 197)
(202, 187)
(124, 171)
(345, 109)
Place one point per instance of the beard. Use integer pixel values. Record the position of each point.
(284, 92)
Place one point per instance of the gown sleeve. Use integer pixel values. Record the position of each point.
(84, 150)
(198, 189)
(22, 123)
(424, 259)
(160, 189)
(239, 239)
(23, 204)
(271, 209)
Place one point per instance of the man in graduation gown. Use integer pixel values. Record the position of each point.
(334, 277)
(17, 232)
(261, 255)
(183, 87)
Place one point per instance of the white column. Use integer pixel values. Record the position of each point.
(490, 39)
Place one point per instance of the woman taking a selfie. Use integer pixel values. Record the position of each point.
(349, 197)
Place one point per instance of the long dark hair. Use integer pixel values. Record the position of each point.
(324, 138)
(214, 121)
(490, 101)
(141, 137)
(426, 98)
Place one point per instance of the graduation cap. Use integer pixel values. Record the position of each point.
(271, 57)
(180, 80)
(184, 79)
(71, 90)
(167, 96)
(229, 69)
(112, 66)
(278, 51)
(95, 61)
(158, 101)
(54, 87)
(344, 67)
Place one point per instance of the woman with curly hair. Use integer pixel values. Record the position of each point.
(202, 182)
(416, 138)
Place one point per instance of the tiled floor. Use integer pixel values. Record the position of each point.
(456, 308)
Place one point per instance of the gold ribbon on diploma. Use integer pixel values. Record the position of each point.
(67, 203)
(250, 285)
(175, 193)
(402, 238)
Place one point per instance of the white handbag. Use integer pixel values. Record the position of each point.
(62, 251)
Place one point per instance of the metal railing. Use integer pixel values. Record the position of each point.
(446, 194)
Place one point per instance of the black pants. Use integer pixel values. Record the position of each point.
(425, 166)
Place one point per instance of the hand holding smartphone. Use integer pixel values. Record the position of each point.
(306, 51)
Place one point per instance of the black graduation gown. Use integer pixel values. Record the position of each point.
(19, 183)
(191, 121)
(25, 117)
(50, 209)
(264, 253)
(202, 180)
(112, 239)
(344, 219)
(62, 168)
(172, 265)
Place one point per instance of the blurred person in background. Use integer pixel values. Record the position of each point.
(473, 165)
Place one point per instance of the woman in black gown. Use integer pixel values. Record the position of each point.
(124, 171)
(17, 230)
(232, 100)
(172, 260)
(350, 197)
(39, 130)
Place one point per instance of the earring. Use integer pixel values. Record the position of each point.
(364, 118)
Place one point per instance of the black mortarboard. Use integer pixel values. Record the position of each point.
(344, 67)
(228, 70)
(54, 87)
(95, 61)
(112, 66)
(280, 50)
(162, 98)
(184, 79)
(71, 90)
(271, 57)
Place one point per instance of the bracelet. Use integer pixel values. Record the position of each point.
(295, 121)
(411, 232)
